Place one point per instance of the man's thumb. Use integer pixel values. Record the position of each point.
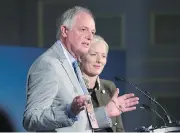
(116, 93)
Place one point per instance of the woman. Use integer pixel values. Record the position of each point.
(100, 90)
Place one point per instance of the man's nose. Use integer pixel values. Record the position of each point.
(90, 36)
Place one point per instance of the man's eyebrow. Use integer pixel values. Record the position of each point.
(94, 30)
(83, 26)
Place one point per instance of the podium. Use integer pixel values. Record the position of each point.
(162, 129)
(166, 129)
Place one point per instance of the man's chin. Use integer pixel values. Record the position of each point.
(81, 53)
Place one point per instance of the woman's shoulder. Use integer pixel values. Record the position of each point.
(107, 82)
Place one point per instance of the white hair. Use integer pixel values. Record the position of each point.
(67, 18)
(99, 39)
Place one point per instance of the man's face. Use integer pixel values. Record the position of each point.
(78, 37)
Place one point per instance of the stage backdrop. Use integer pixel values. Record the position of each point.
(14, 65)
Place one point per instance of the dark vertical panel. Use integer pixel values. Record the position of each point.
(29, 20)
(9, 22)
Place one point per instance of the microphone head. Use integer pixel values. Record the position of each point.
(118, 78)
(141, 107)
(146, 107)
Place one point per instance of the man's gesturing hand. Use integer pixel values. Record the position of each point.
(79, 103)
(121, 104)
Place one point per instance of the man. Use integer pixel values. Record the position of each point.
(56, 100)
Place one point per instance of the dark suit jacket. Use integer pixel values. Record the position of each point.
(104, 94)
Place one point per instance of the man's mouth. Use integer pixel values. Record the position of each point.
(86, 44)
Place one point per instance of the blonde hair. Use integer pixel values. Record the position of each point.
(99, 39)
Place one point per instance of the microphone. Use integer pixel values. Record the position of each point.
(152, 99)
(150, 109)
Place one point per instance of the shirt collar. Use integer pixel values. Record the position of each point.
(97, 84)
(70, 58)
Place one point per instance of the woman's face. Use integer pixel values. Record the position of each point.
(94, 61)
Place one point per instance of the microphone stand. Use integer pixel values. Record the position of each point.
(152, 99)
(148, 108)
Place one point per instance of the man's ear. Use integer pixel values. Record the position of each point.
(63, 31)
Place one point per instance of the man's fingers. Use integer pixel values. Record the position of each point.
(82, 108)
(129, 109)
(132, 104)
(127, 96)
(79, 103)
(82, 98)
(132, 99)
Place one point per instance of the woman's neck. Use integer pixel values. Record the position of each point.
(91, 80)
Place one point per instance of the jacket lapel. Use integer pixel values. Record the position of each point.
(100, 96)
(68, 69)
(72, 76)
(103, 98)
